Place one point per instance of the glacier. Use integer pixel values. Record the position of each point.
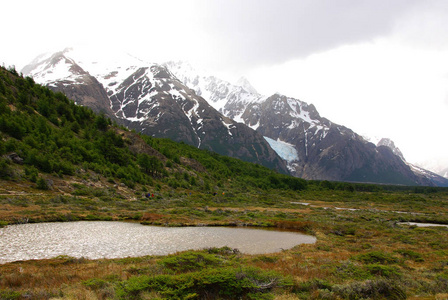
(285, 150)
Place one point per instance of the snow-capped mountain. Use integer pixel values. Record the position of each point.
(175, 101)
(314, 147)
(229, 99)
(435, 178)
(436, 166)
(148, 98)
(391, 145)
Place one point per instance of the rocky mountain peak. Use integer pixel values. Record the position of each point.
(313, 146)
(391, 145)
(173, 101)
(150, 99)
(245, 84)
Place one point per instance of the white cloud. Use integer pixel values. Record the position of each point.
(367, 65)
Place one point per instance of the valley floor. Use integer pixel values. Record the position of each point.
(362, 252)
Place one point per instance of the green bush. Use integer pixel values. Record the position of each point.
(415, 256)
(190, 261)
(223, 283)
(31, 173)
(5, 169)
(383, 271)
(10, 295)
(370, 289)
(41, 184)
(376, 257)
(96, 283)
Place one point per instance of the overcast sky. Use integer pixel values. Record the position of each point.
(379, 67)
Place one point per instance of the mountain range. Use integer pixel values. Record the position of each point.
(314, 147)
(148, 98)
(175, 101)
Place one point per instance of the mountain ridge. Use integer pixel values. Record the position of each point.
(150, 99)
(325, 150)
(171, 100)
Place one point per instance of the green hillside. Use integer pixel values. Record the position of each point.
(61, 162)
(52, 135)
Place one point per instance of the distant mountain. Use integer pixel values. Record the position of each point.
(444, 173)
(435, 178)
(313, 146)
(147, 97)
(176, 101)
(436, 166)
(391, 145)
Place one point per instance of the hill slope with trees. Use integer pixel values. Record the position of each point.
(45, 134)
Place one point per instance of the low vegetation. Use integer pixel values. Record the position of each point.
(62, 162)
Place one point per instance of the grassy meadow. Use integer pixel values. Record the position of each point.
(362, 252)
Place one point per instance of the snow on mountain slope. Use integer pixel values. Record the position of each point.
(57, 68)
(436, 166)
(439, 179)
(148, 98)
(227, 98)
(286, 151)
(233, 99)
(436, 178)
(326, 150)
(245, 84)
(390, 144)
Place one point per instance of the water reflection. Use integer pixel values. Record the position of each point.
(418, 224)
(120, 239)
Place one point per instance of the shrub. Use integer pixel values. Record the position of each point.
(96, 283)
(103, 288)
(415, 256)
(41, 184)
(349, 270)
(5, 169)
(370, 289)
(31, 173)
(308, 287)
(343, 230)
(223, 283)
(304, 226)
(376, 257)
(190, 261)
(384, 271)
(10, 295)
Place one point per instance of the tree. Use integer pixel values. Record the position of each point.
(101, 122)
(2, 87)
(150, 164)
(5, 170)
(42, 184)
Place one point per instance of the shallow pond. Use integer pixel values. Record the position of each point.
(121, 239)
(423, 224)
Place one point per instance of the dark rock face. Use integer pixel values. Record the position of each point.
(326, 151)
(82, 88)
(423, 175)
(176, 112)
(90, 93)
(153, 101)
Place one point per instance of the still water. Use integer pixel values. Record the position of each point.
(423, 224)
(120, 239)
